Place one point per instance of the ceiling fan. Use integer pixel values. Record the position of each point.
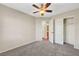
(42, 9)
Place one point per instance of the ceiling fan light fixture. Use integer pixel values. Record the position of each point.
(42, 12)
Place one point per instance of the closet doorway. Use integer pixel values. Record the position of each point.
(69, 30)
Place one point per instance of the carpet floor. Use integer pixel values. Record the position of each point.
(43, 48)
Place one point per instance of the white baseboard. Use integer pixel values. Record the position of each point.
(76, 47)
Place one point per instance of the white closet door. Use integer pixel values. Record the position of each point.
(70, 31)
(59, 31)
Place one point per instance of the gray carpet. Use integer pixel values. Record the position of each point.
(43, 48)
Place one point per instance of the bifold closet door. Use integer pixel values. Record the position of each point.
(70, 31)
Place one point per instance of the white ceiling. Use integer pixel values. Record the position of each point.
(56, 7)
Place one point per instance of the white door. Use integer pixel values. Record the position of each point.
(59, 31)
(51, 31)
(70, 31)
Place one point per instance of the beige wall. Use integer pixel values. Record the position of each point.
(16, 29)
(75, 15)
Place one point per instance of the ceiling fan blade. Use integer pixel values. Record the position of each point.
(48, 10)
(47, 5)
(35, 6)
(35, 11)
(41, 5)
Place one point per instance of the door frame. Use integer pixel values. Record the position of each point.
(53, 30)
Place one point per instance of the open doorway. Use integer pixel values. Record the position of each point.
(69, 31)
(48, 30)
(45, 30)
